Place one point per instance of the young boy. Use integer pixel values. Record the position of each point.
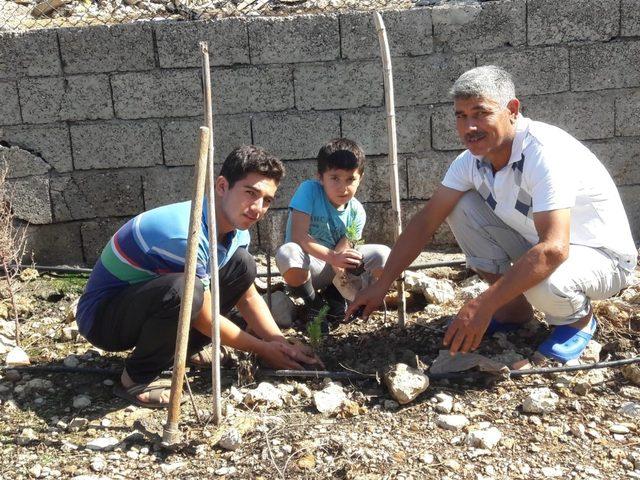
(323, 213)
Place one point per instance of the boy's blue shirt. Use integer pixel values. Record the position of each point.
(328, 224)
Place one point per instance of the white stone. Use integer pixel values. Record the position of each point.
(169, 468)
(264, 394)
(434, 291)
(98, 464)
(426, 457)
(445, 403)
(630, 409)
(71, 361)
(303, 390)
(487, 438)
(472, 287)
(329, 400)
(541, 400)
(225, 471)
(620, 429)
(231, 439)
(36, 470)
(81, 401)
(102, 443)
(17, 357)
(282, 308)
(452, 422)
(405, 383)
(552, 472)
(77, 423)
(26, 436)
(70, 332)
(591, 353)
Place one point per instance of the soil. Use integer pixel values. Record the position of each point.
(44, 436)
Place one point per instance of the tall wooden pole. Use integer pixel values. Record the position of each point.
(393, 152)
(171, 434)
(213, 242)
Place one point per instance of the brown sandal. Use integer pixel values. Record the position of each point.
(155, 389)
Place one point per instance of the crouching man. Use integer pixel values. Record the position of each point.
(132, 299)
(537, 216)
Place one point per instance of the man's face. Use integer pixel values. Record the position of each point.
(486, 128)
(340, 185)
(247, 201)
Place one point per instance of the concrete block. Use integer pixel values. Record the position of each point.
(630, 18)
(58, 244)
(252, 89)
(631, 200)
(21, 163)
(96, 234)
(116, 145)
(336, 85)
(29, 198)
(479, 26)
(424, 80)
(534, 70)
(166, 93)
(296, 172)
(621, 156)
(162, 185)
(550, 21)
(271, 229)
(583, 115)
(180, 138)
(87, 195)
(425, 172)
(409, 33)
(443, 127)
(33, 53)
(10, 105)
(83, 97)
(369, 129)
(627, 118)
(303, 38)
(107, 48)
(295, 135)
(376, 182)
(178, 42)
(49, 142)
(600, 66)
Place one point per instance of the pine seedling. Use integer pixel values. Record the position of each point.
(314, 327)
(351, 233)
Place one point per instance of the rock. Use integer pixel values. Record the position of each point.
(426, 457)
(235, 395)
(98, 464)
(434, 291)
(472, 287)
(329, 400)
(307, 462)
(445, 403)
(452, 422)
(405, 383)
(552, 472)
(592, 352)
(619, 429)
(303, 390)
(486, 439)
(231, 439)
(264, 394)
(77, 423)
(225, 471)
(102, 443)
(38, 385)
(541, 400)
(282, 308)
(390, 404)
(17, 357)
(26, 436)
(71, 361)
(29, 274)
(81, 401)
(632, 373)
(169, 468)
(12, 375)
(70, 314)
(70, 333)
(36, 470)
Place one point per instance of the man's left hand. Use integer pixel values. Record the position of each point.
(304, 353)
(467, 329)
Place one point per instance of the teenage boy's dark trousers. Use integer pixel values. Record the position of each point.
(144, 317)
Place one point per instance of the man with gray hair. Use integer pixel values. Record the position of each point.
(537, 216)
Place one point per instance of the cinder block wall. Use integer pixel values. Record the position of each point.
(102, 121)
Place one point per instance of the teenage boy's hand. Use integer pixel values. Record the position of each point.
(281, 355)
(348, 258)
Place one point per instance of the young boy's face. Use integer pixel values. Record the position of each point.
(340, 185)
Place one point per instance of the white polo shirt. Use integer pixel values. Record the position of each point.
(550, 170)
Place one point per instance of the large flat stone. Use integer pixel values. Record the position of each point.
(610, 65)
(627, 118)
(424, 80)
(96, 234)
(630, 18)
(376, 182)
(50, 99)
(621, 156)
(116, 145)
(443, 129)
(58, 244)
(87, 195)
(180, 138)
(167, 93)
(303, 38)
(297, 171)
(252, 89)
(631, 200)
(29, 198)
(162, 185)
(178, 42)
(107, 48)
(550, 21)
(10, 105)
(409, 33)
(369, 129)
(425, 172)
(22, 163)
(584, 115)
(295, 135)
(49, 142)
(335, 85)
(534, 70)
(479, 26)
(33, 53)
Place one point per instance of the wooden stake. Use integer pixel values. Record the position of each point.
(393, 152)
(171, 433)
(213, 242)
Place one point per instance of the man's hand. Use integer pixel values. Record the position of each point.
(369, 299)
(467, 329)
(347, 258)
(306, 351)
(281, 355)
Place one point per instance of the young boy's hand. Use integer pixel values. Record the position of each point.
(348, 258)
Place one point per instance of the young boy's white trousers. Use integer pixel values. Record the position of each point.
(491, 246)
(290, 255)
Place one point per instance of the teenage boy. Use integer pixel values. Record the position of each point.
(323, 214)
(132, 299)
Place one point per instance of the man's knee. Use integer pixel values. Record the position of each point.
(290, 255)
(175, 293)
(558, 303)
(375, 256)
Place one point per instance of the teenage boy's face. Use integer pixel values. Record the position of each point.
(246, 202)
(340, 185)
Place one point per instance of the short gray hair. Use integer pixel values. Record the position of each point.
(488, 82)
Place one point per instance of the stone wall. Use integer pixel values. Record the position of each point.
(102, 122)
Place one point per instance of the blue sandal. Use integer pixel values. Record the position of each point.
(498, 327)
(567, 343)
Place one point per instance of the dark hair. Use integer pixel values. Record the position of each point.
(341, 153)
(251, 159)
